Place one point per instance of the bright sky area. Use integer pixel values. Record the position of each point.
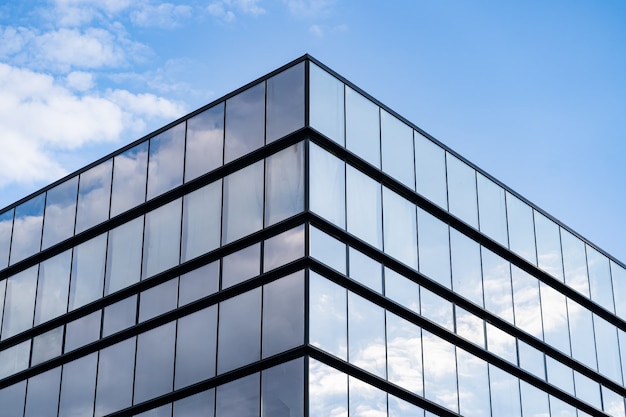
(533, 92)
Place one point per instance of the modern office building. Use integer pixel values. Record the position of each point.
(296, 249)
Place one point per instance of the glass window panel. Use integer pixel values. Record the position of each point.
(587, 390)
(283, 248)
(119, 316)
(285, 103)
(241, 265)
(6, 228)
(198, 405)
(365, 270)
(531, 360)
(364, 207)
(82, 331)
(462, 190)
(3, 286)
(497, 285)
(560, 375)
(124, 256)
(42, 395)
(129, 179)
(245, 122)
(87, 280)
(14, 359)
(47, 346)
(158, 300)
(78, 387)
(399, 224)
(328, 391)
(52, 287)
(60, 213)
(534, 401)
(327, 249)
(154, 371)
(19, 304)
(434, 248)
(115, 377)
(526, 302)
(94, 196)
(466, 273)
(365, 400)
(165, 160)
(12, 399)
(327, 182)
(608, 349)
(613, 403)
(27, 228)
(574, 262)
(440, 382)
(199, 283)
(202, 220)
(554, 314)
(239, 339)
(282, 390)
(196, 346)
(618, 275)
(161, 245)
(284, 184)
(205, 142)
(469, 326)
(362, 127)
(505, 401)
(600, 279)
(430, 170)
(580, 328)
(437, 309)
(404, 354)
(492, 210)
(326, 104)
(548, 246)
(501, 343)
(239, 398)
(283, 314)
(328, 316)
(473, 385)
(521, 228)
(366, 335)
(397, 149)
(401, 408)
(402, 290)
(560, 408)
(243, 203)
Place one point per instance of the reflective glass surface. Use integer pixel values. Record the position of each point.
(364, 207)
(6, 228)
(241, 265)
(462, 198)
(158, 300)
(42, 394)
(161, 245)
(243, 203)
(19, 305)
(78, 387)
(199, 283)
(196, 347)
(94, 196)
(284, 184)
(492, 210)
(52, 287)
(130, 170)
(327, 249)
(600, 279)
(521, 228)
(165, 161)
(60, 213)
(434, 248)
(82, 331)
(154, 371)
(607, 349)
(245, 122)
(548, 246)
(618, 275)
(366, 335)
(440, 371)
(526, 302)
(505, 400)
(27, 227)
(399, 224)
(114, 388)
(282, 390)
(574, 262)
(205, 142)
(404, 354)
(327, 182)
(119, 316)
(555, 321)
(365, 270)
(581, 327)
(497, 285)
(201, 220)
(362, 127)
(397, 149)
(285, 103)
(12, 399)
(124, 256)
(365, 400)
(402, 290)
(283, 248)
(473, 385)
(239, 398)
(198, 405)
(328, 391)
(466, 267)
(326, 104)
(87, 280)
(328, 317)
(14, 359)
(47, 346)
(430, 171)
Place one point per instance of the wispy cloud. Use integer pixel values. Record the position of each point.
(164, 15)
(310, 8)
(227, 10)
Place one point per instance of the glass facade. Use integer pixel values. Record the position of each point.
(298, 249)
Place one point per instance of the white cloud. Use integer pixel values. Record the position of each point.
(13, 39)
(225, 9)
(80, 12)
(316, 30)
(310, 8)
(164, 15)
(79, 80)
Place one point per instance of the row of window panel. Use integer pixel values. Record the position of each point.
(227, 131)
(251, 326)
(242, 203)
(387, 221)
(389, 144)
(366, 335)
(199, 283)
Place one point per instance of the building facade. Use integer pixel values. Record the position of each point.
(296, 249)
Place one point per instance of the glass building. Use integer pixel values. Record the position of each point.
(296, 249)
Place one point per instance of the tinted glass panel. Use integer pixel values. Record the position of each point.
(78, 387)
(6, 227)
(404, 354)
(327, 182)
(328, 316)
(124, 256)
(366, 335)
(497, 285)
(434, 248)
(241, 265)
(327, 249)
(14, 359)
(402, 290)
(608, 349)
(239, 398)
(600, 279)
(283, 314)
(521, 228)
(202, 220)
(245, 122)
(154, 372)
(364, 206)
(328, 391)
(47, 346)
(397, 149)
(492, 210)
(399, 224)
(27, 228)
(87, 272)
(362, 127)
(165, 162)
(284, 184)
(440, 371)
(531, 360)
(462, 190)
(469, 327)
(574, 263)
(466, 272)
(243, 202)
(326, 104)
(129, 178)
(199, 283)
(52, 287)
(501, 343)
(282, 390)
(618, 275)
(82, 331)
(205, 142)
(283, 248)
(401, 408)
(560, 375)
(199, 405)
(436, 309)
(534, 401)
(504, 393)
(19, 305)
(430, 170)
(580, 327)
(285, 103)
(554, 314)
(473, 385)
(119, 316)
(115, 377)
(548, 246)
(158, 300)
(196, 347)
(526, 301)
(587, 390)
(161, 245)
(60, 213)
(12, 399)
(94, 196)
(365, 400)
(365, 270)
(42, 396)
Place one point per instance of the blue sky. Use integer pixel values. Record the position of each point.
(533, 92)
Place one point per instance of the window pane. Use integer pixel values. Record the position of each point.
(94, 195)
(285, 103)
(6, 228)
(492, 210)
(397, 148)
(404, 354)
(401, 408)
(531, 360)
(129, 179)
(241, 265)
(327, 182)
(82, 331)
(365, 270)
(437, 309)
(554, 314)
(328, 320)
(534, 401)
(78, 387)
(283, 314)
(548, 246)
(501, 343)
(473, 385)
(47, 346)
(328, 391)
(326, 104)
(560, 375)
(124, 256)
(243, 203)
(600, 279)
(469, 326)
(608, 349)
(60, 213)
(245, 122)
(400, 228)
(196, 347)
(327, 249)
(362, 127)
(366, 335)
(199, 283)
(587, 390)
(284, 184)
(365, 400)
(526, 301)
(440, 384)
(119, 316)
(580, 327)
(158, 300)
(462, 190)
(618, 276)
(497, 285)
(504, 393)
(364, 207)
(27, 228)
(466, 272)
(430, 170)
(115, 377)
(574, 264)
(161, 244)
(402, 290)
(521, 228)
(434, 248)
(52, 287)
(19, 305)
(199, 405)
(205, 142)
(239, 339)
(154, 372)
(283, 248)
(282, 390)
(239, 398)
(12, 399)
(202, 220)
(87, 272)
(165, 164)
(14, 359)
(42, 395)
